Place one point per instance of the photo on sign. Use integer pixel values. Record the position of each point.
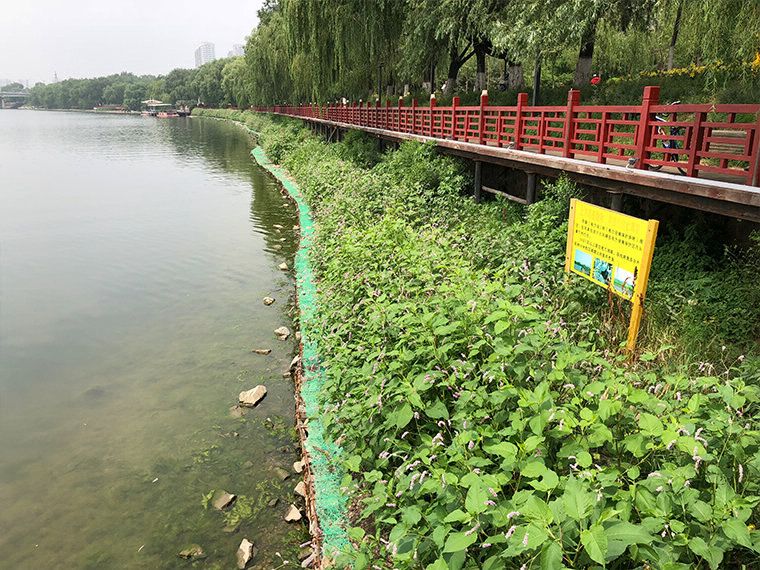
(602, 271)
(583, 262)
(624, 282)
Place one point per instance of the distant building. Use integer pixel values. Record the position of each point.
(204, 54)
(237, 49)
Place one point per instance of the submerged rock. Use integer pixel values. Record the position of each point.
(261, 350)
(268, 301)
(253, 396)
(282, 333)
(192, 551)
(294, 515)
(281, 473)
(283, 266)
(244, 553)
(237, 412)
(223, 499)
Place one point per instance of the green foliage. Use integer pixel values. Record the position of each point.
(359, 148)
(482, 429)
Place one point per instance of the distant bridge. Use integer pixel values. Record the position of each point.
(12, 99)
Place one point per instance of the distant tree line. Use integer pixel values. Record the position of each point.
(307, 50)
(205, 85)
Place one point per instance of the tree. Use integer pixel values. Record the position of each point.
(235, 82)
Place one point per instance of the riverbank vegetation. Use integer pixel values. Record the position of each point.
(489, 417)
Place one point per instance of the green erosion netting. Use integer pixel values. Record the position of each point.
(330, 504)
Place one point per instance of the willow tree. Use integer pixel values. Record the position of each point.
(269, 63)
(340, 44)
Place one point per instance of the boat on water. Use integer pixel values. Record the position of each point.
(158, 109)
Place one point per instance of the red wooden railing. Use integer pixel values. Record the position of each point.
(720, 139)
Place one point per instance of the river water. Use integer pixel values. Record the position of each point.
(134, 256)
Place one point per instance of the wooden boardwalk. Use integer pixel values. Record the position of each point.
(611, 147)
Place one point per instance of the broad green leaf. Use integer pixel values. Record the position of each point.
(551, 557)
(356, 533)
(503, 449)
(403, 415)
(628, 533)
(532, 469)
(584, 459)
(457, 515)
(440, 533)
(410, 515)
(354, 462)
(361, 561)
(476, 499)
(537, 510)
(713, 554)
(737, 531)
(459, 541)
(439, 564)
(701, 511)
(595, 542)
(650, 424)
(437, 410)
(576, 500)
(548, 481)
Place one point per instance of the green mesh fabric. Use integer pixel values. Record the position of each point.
(330, 503)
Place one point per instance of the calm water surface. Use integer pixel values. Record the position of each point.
(134, 255)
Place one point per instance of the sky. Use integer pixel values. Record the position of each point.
(93, 38)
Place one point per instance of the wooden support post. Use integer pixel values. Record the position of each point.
(414, 117)
(478, 181)
(644, 134)
(387, 114)
(573, 99)
(454, 105)
(522, 101)
(616, 201)
(753, 175)
(530, 193)
(482, 118)
(432, 112)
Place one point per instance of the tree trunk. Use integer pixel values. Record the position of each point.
(676, 25)
(480, 74)
(456, 61)
(585, 56)
(516, 78)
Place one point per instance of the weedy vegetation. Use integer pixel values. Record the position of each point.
(488, 415)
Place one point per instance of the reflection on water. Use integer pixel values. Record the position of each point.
(134, 254)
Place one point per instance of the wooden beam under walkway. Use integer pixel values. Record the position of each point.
(707, 195)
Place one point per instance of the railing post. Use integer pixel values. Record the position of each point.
(522, 102)
(753, 175)
(694, 144)
(414, 116)
(454, 105)
(644, 135)
(573, 99)
(398, 118)
(482, 118)
(432, 107)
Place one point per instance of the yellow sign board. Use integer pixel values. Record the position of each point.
(612, 250)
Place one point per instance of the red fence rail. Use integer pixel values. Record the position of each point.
(717, 140)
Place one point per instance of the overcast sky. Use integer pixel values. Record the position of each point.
(92, 38)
